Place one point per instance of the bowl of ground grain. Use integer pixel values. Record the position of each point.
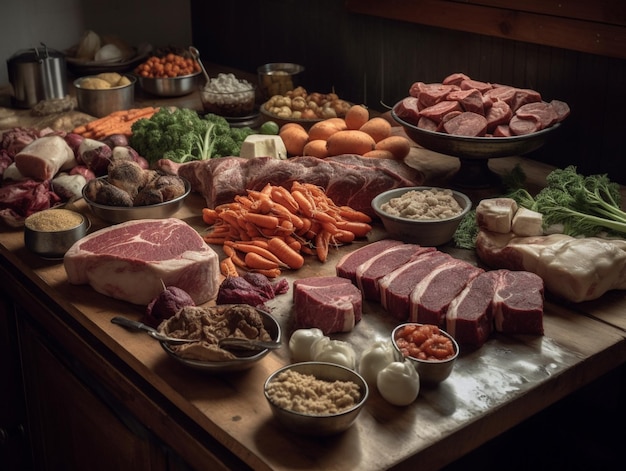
(51, 232)
(423, 215)
(339, 396)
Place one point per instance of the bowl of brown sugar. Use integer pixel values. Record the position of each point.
(51, 232)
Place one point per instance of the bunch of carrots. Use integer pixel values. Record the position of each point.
(118, 122)
(270, 230)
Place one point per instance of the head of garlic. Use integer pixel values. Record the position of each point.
(300, 343)
(374, 358)
(398, 383)
(333, 351)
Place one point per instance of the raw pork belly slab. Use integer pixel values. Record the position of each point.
(369, 273)
(469, 318)
(330, 303)
(430, 298)
(518, 303)
(396, 287)
(131, 260)
(347, 265)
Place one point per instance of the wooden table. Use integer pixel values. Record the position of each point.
(223, 420)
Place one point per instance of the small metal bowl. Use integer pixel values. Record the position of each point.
(430, 371)
(117, 214)
(103, 102)
(319, 425)
(170, 86)
(426, 232)
(245, 359)
(277, 78)
(48, 235)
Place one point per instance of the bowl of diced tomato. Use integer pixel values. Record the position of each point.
(431, 350)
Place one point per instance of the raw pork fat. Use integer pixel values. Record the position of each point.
(329, 303)
(129, 261)
(576, 269)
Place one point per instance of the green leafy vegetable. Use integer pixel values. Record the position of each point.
(181, 135)
(584, 205)
(465, 235)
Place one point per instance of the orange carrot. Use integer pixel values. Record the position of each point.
(254, 260)
(228, 268)
(285, 253)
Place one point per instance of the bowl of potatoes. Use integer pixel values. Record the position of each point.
(102, 94)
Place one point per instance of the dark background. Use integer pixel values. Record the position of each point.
(374, 61)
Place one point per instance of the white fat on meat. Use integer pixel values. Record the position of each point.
(496, 214)
(132, 261)
(43, 158)
(527, 222)
(576, 269)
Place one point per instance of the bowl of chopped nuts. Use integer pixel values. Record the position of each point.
(423, 215)
(341, 395)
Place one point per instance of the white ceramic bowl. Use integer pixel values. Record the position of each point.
(430, 371)
(308, 424)
(426, 232)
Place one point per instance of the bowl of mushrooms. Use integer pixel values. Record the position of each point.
(131, 192)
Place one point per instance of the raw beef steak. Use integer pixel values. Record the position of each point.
(347, 265)
(518, 303)
(131, 260)
(370, 272)
(396, 287)
(330, 303)
(430, 298)
(470, 317)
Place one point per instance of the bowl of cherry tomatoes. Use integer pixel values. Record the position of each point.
(431, 350)
(170, 75)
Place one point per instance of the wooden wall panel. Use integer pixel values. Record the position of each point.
(373, 60)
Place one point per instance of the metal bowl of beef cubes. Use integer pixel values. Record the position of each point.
(118, 201)
(428, 216)
(472, 119)
(431, 350)
(316, 398)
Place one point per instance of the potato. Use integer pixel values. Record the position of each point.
(112, 77)
(295, 137)
(399, 146)
(379, 154)
(378, 128)
(349, 141)
(326, 128)
(357, 116)
(316, 148)
(94, 83)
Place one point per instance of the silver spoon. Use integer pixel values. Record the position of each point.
(196, 55)
(240, 343)
(123, 321)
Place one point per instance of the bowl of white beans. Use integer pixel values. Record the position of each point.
(423, 215)
(228, 96)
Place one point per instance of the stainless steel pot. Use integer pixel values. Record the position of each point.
(37, 74)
